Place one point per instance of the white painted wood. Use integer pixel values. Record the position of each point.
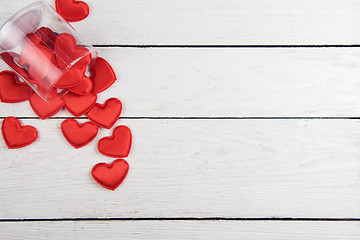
(205, 168)
(192, 168)
(195, 22)
(182, 230)
(230, 82)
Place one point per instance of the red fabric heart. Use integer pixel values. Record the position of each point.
(105, 115)
(12, 91)
(78, 135)
(103, 75)
(36, 58)
(11, 58)
(67, 51)
(71, 10)
(118, 145)
(70, 78)
(78, 105)
(110, 176)
(45, 109)
(52, 95)
(43, 36)
(47, 37)
(15, 135)
(84, 87)
(33, 38)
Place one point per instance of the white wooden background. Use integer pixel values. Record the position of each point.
(244, 122)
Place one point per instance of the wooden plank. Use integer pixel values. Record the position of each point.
(192, 168)
(182, 230)
(230, 82)
(193, 22)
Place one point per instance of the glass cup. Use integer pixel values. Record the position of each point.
(44, 51)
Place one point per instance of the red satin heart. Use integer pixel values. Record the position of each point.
(12, 91)
(43, 36)
(103, 75)
(71, 10)
(78, 135)
(15, 135)
(118, 145)
(78, 105)
(33, 38)
(105, 115)
(67, 51)
(45, 109)
(84, 87)
(71, 78)
(36, 58)
(11, 58)
(52, 95)
(110, 176)
(47, 37)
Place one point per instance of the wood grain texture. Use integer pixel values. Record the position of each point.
(196, 22)
(230, 83)
(182, 230)
(205, 168)
(192, 168)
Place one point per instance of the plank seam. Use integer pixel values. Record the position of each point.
(183, 219)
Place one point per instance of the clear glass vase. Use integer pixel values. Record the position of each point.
(44, 50)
